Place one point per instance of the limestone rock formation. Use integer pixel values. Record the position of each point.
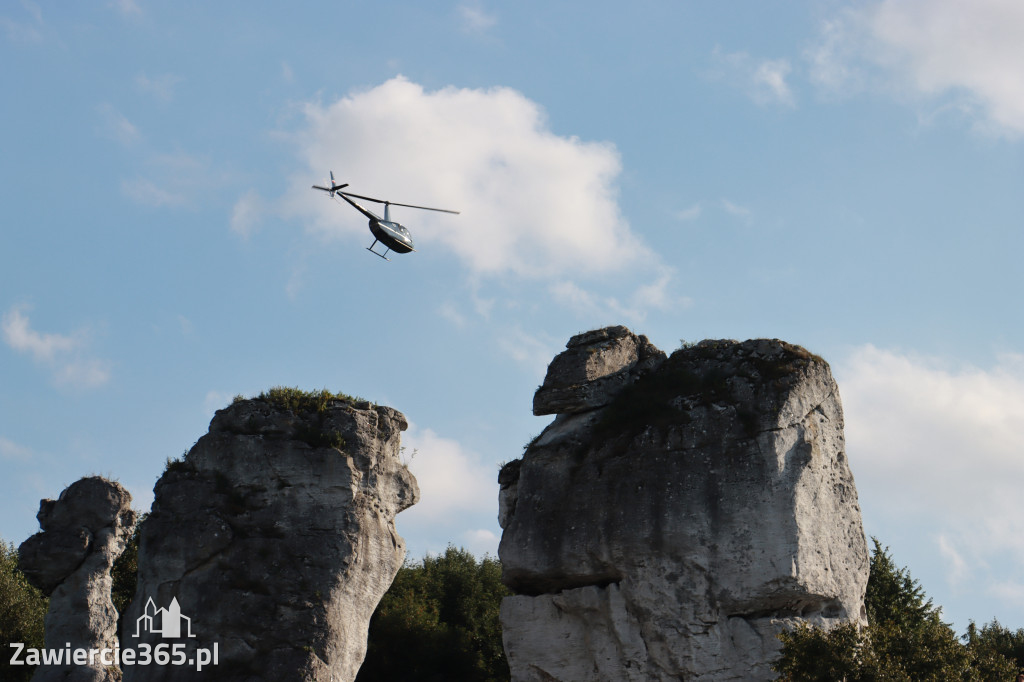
(275, 537)
(596, 366)
(671, 529)
(84, 531)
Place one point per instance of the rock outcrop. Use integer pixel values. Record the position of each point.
(84, 531)
(678, 513)
(596, 366)
(275, 538)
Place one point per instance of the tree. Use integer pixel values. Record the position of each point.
(22, 611)
(439, 621)
(905, 640)
(993, 641)
(124, 574)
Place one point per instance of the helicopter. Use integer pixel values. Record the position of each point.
(394, 236)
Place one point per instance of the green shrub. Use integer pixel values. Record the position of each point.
(299, 401)
(22, 610)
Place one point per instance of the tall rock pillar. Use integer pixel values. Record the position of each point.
(84, 531)
(678, 513)
(271, 543)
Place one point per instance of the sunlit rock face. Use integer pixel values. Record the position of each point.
(275, 538)
(672, 528)
(83, 532)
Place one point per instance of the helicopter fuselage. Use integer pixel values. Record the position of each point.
(393, 235)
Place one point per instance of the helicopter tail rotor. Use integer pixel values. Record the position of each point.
(332, 187)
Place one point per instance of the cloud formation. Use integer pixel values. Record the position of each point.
(452, 480)
(9, 450)
(608, 309)
(22, 32)
(474, 18)
(61, 353)
(932, 442)
(115, 126)
(247, 213)
(764, 81)
(161, 87)
(969, 51)
(532, 202)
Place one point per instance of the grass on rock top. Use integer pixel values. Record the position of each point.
(297, 400)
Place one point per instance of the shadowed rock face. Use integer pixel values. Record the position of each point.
(276, 537)
(84, 531)
(673, 527)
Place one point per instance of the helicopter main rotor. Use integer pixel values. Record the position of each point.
(393, 203)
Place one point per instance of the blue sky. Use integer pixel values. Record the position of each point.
(845, 176)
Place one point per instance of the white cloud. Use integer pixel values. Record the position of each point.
(181, 180)
(688, 214)
(957, 566)
(532, 202)
(736, 210)
(832, 59)
(475, 19)
(177, 179)
(24, 33)
(83, 373)
(9, 450)
(63, 354)
(764, 81)
(969, 51)
(115, 126)
(21, 337)
(34, 9)
(127, 7)
(185, 325)
(658, 295)
(161, 87)
(148, 193)
(481, 542)
(528, 350)
(449, 312)
(248, 213)
(607, 309)
(588, 304)
(769, 80)
(1011, 591)
(934, 445)
(452, 480)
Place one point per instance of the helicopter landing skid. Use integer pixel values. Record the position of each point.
(382, 255)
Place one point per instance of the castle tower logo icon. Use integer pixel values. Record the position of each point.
(168, 623)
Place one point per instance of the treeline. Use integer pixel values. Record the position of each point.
(439, 621)
(905, 640)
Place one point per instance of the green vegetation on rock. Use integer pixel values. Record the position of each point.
(299, 401)
(305, 404)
